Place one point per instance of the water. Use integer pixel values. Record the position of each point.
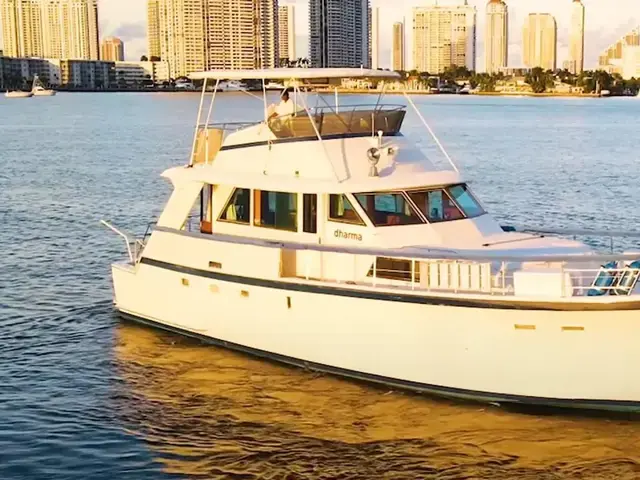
(84, 395)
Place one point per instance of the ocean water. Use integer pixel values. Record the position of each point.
(86, 395)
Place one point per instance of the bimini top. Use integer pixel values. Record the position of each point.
(294, 73)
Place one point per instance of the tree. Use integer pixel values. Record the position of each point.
(539, 80)
(144, 58)
(154, 58)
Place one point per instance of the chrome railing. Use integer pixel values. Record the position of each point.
(134, 245)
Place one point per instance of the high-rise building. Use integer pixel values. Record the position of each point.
(339, 33)
(287, 32)
(576, 42)
(198, 35)
(153, 28)
(374, 28)
(496, 42)
(22, 27)
(623, 57)
(539, 44)
(397, 60)
(112, 50)
(51, 28)
(444, 36)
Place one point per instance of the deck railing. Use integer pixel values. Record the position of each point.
(481, 272)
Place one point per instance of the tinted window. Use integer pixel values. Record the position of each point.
(463, 197)
(341, 210)
(276, 210)
(237, 209)
(436, 205)
(386, 209)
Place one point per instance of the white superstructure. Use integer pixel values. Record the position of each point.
(327, 239)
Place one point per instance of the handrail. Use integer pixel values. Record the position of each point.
(410, 253)
(128, 239)
(379, 109)
(578, 231)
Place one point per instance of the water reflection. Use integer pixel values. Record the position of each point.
(208, 412)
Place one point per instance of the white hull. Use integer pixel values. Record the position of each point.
(18, 94)
(582, 359)
(44, 93)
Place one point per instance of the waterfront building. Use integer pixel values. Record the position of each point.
(50, 28)
(153, 28)
(70, 29)
(112, 49)
(287, 33)
(22, 27)
(374, 29)
(621, 56)
(496, 43)
(576, 41)
(82, 74)
(539, 44)
(397, 61)
(339, 33)
(444, 36)
(137, 73)
(198, 35)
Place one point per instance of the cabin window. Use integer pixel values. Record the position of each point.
(341, 210)
(310, 219)
(465, 200)
(277, 210)
(395, 269)
(448, 204)
(389, 208)
(206, 195)
(237, 208)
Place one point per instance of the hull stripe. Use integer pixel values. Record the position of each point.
(436, 390)
(490, 302)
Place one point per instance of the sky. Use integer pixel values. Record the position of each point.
(606, 22)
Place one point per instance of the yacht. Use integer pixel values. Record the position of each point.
(39, 90)
(17, 94)
(330, 241)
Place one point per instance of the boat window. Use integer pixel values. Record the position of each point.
(275, 210)
(341, 210)
(237, 208)
(436, 205)
(465, 200)
(389, 208)
(310, 215)
(395, 269)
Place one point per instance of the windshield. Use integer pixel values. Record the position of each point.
(389, 208)
(434, 205)
(446, 204)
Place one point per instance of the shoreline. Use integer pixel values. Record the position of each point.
(486, 94)
(348, 91)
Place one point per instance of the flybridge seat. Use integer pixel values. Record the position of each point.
(345, 121)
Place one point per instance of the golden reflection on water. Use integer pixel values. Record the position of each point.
(207, 412)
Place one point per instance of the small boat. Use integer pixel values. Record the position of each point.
(38, 89)
(327, 239)
(17, 94)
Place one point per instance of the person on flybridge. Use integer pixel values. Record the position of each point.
(286, 107)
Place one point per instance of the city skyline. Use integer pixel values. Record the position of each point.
(604, 25)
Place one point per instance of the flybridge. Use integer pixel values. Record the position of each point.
(306, 123)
